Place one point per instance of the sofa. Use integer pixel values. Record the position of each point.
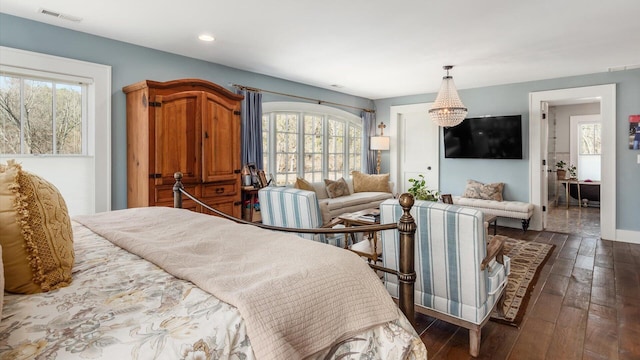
(360, 192)
(488, 199)
(461, 272)
(331, 208)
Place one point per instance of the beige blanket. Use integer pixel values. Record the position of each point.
(296, 296)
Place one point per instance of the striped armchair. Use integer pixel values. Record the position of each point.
(294, 208)
(457, 280)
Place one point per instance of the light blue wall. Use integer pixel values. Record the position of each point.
(131, 63)
(513, 99)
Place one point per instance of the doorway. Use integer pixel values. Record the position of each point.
(571, 142)
(540, 164)
(415, 146)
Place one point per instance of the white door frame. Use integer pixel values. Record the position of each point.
(606, 94)
(396, 112)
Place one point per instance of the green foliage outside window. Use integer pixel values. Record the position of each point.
(39, 116)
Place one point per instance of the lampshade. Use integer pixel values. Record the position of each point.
(379, 143)
(448, 110)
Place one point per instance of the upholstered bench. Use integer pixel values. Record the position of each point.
(509, 209)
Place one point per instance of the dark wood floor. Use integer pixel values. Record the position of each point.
(585, 305)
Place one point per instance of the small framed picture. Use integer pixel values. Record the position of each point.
(446, 198)
(262, 178)
(255, 181)
(634, 135)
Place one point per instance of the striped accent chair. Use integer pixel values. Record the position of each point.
(294, 208)
(456, 280)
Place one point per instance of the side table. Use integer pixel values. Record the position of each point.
(356, 219)
(250, 194)
(492, 219)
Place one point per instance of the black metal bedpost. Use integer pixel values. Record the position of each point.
(406, 268)
(177, 195)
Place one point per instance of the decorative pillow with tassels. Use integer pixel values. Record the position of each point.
(36, 236)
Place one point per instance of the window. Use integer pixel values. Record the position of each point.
(590, 139)
(314, 142)
(53, 91)
(41, 116)
(585, 138)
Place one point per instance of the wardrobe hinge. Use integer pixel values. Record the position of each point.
(544, 162)
(155, 103)
(236, 171)
(544, 116)
(155, 176)
(237, 203)
(237, 112)
(544, 208)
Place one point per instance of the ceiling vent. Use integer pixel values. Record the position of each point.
(59, 15)
(624, 67)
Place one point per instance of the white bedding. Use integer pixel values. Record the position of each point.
(121, 306)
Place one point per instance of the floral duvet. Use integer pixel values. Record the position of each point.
(120, 306)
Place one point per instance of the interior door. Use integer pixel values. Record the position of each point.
(544, 121)
(416, 148)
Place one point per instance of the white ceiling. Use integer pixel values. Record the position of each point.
(372, 48)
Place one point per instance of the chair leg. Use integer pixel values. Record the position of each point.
(500, 304)
(474, 341)
(525, 224)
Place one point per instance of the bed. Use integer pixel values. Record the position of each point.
(135, 294)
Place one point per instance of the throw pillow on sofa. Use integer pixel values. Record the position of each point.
(303, 184)
(337, 188)
(370, 183)
(478, 190)
(36, 236)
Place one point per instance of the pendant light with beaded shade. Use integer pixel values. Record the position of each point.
(448, 109)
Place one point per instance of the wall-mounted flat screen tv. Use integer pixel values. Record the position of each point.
(489, 137)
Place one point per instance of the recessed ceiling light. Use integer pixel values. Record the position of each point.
(206, 37)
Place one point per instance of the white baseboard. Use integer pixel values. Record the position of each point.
(628, 236)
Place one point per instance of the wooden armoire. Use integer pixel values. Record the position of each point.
(188, 125)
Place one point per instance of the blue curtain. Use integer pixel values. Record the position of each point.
(251, 128)
(368, 130)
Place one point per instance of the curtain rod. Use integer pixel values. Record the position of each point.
(319, 102)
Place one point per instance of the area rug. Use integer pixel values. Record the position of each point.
(527, 259)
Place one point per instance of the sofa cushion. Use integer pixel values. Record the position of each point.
(356, 199)
(303, 184)
(366, 182)
(478, 190)
(337, 188)
(36, 236)
(510, 209)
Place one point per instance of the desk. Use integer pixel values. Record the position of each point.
(567, 183)
(249, 194)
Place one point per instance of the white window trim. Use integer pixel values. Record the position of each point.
(98, 114)
(300, 107)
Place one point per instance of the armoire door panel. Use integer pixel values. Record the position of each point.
(220, 142)
(177, 137)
